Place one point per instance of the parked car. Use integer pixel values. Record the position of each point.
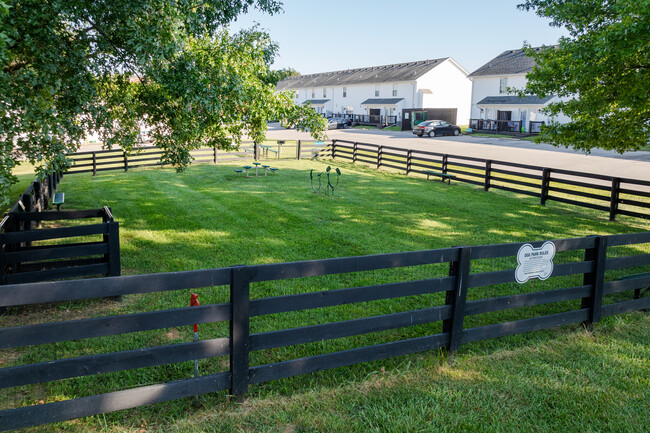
(338, 123)
(435, 127)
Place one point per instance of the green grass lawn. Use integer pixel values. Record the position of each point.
(565, 379)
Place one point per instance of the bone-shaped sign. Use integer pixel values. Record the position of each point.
(534, 262)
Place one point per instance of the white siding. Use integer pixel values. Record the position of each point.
(450, 88)
(483, 87)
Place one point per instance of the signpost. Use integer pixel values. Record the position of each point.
(534, 262)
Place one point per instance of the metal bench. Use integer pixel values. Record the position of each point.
(443, 176)
(637, 292)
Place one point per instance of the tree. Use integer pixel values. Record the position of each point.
(72, 67)
(602, 72)
(283, 73)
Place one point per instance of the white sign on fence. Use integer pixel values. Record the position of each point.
(534, 262)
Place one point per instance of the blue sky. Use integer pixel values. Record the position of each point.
(321, 36)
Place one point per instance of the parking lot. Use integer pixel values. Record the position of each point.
(631, 165)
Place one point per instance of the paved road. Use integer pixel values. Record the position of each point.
(634, 165)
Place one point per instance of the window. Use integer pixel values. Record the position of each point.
(376, 89)
(503, 85)
(345, 92)
(324, 92)
(394, 89)
(313, 93)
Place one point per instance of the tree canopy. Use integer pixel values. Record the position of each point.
(73, 67)
(602, 72)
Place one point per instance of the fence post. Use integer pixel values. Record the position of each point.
(546, 182)
(409, 157)
(596, 279)
(444, 163)
(333, 148)
(94, 164)
(239, 329)
(38, 196)
(214, 148)
(488, 174)
(355, 148)
(380, 150)
(50, 186)
(299, 150)
(113, 256)
(126, 162)
(614, 199)
(457, 298)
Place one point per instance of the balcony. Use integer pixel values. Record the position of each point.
(512, 127)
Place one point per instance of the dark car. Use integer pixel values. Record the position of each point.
(338, 123)
(435, 127)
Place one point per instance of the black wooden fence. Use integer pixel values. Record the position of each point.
(616, 195)
(596, 262)
(149, 156)
(25, 255)
(38, 194)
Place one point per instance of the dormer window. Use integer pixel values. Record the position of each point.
(377, 90)
(313, 93)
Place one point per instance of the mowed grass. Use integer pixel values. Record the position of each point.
(209, 217)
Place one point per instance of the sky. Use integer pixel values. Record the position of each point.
(331, 35)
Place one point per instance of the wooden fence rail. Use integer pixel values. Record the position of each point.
(593, 261)
(615, 195)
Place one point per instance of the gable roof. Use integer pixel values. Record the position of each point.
(373, 74)
(509, 62)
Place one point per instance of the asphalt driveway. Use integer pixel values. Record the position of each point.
(634, 165)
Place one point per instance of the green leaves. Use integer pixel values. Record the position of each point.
(72, 67)
(602, 70)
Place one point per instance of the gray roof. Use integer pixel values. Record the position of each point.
(315, 101)
(381, 101)
(373, 74)
(514, 100)
(507, 63)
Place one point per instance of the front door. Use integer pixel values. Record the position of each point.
(502, 120)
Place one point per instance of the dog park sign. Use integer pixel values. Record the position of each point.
(534, 262)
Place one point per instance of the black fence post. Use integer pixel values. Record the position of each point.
(445, 159)
(409, 157)
(239, 330)
(457, 298)
(298, 150)
(113, 256)
(214, 150)
(38, 196)
(94, 164)
(355, 148)
(488, 174)
(380, 150)
(333, 148)
(546, 182)
(596, 279)
(50, 186)
(126, 162)
(614, 199)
